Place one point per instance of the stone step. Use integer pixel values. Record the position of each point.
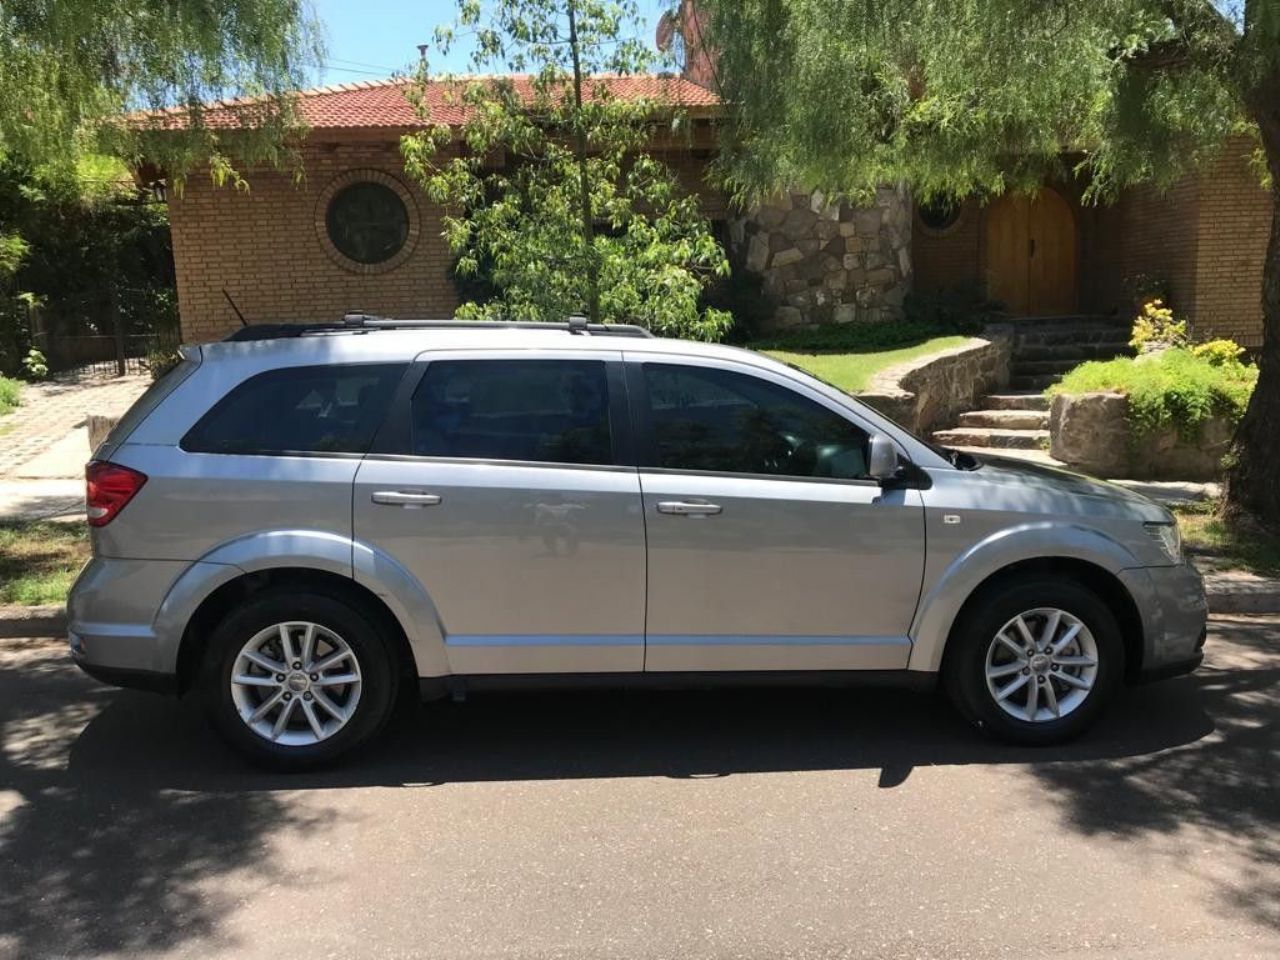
(991, 437)
(1031, 368)
(1039, 381)
(1079, 352)
(1118, 337)
(1006, 419)
(1030, 400)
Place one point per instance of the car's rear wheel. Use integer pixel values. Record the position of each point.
(1035, 663)
(293, 680)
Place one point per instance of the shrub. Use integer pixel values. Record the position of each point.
(853, 337)
(963, 308)
(9, 391)
(1175, 388)
(1220, 353)
(34, 365)
(1155, 328)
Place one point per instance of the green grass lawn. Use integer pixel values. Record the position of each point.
(852, 371)
(1207, 534)
(9, 391)
(39, 560)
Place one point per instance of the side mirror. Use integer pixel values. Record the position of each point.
(882, 458)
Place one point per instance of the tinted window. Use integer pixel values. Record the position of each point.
(718, 420)
(551, 411)
(329, 409)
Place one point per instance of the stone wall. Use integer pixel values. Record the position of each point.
(827, 261)
(1092, 432)
(931, 392)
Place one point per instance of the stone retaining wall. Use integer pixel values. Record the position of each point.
(825, 261)
(1092, 432)
(931, 392)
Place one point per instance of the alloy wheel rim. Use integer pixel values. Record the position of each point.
(296, 683)
(1041, 665)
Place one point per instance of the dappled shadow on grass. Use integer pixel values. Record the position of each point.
(32, 551)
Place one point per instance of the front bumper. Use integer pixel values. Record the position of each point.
(1171, 603)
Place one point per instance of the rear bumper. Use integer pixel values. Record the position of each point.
(1174, 614)
(124, 676)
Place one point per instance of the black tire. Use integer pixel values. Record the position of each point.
(965, 665)
(378, 677)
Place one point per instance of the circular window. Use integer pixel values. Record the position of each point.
(367, 221)
(940, 214)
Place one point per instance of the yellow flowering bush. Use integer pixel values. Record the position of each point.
(1155, 328)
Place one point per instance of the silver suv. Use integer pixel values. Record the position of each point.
(299, 520)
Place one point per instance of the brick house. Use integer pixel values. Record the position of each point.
(355, 233)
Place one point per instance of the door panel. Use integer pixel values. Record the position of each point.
(532, 569)
(1051, 268)
(1031, 253)
(505, 501)
(768, 550)
(789, 575)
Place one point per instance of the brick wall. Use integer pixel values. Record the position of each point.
(1234, 222)
(266, 247)
(952, 257)
(1158, 238)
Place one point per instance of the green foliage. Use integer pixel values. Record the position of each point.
(1155, 328)
(160, 361)
(1173, 388)
(852, 337)
(10, 395)
(69, 69)
(34, 365)
(1220, 353)
(560, 207)
(964, 308)
(961, 96)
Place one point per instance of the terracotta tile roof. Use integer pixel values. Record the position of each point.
(381, 104)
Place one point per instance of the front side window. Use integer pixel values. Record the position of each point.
(707, 419)
(545, 411)
(320, 409)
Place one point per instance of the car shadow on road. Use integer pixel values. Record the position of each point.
(125, 815)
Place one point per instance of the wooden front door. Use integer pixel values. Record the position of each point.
(1031, 254)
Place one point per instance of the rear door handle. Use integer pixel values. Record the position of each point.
(405, 498)
(683, 508)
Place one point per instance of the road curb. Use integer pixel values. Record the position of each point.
(26, 622)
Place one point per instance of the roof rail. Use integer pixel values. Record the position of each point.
(364, 322)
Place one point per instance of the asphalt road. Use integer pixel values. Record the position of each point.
(650, 825)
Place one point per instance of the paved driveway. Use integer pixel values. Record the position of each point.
(800, 824)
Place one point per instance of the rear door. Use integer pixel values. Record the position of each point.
(769, 547)
(503, 483)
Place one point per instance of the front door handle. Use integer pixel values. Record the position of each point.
(683, 508)
(405, 498)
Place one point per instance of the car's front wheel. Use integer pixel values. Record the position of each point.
(1035, 663)
(293, 680)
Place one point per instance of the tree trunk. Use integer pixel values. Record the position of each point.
(584, 183)
(1253, 482)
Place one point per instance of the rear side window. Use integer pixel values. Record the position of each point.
(320, 409)
(546, 411)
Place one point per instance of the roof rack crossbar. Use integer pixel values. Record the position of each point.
(353, 322)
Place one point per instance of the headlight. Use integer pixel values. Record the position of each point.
(1169, 538)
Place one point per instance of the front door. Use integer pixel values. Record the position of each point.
(1031, 253)
(769, 548)
(507, 499)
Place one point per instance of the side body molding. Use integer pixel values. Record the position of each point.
(313, 550)
(946, 591)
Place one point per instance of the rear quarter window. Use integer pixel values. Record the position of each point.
(334, 408)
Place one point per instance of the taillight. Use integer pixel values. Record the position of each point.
(108, 487)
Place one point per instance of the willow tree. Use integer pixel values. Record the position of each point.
(956, 96)
(70, 70)
(554, 195)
